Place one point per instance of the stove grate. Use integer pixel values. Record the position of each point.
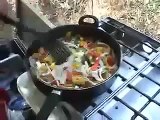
(139, 68)
(99, 112)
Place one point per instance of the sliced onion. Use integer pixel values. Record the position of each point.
(105, 54)
(99, 42)
(101, 63)
(100, 73)
(85, 69)
(48, 68)
(59, 74)
(96, 76)
(76, 87)
(44, 74)
(38, 64)
(69, 62)
(112, 67)
(90, 81)
(43, 80)
(32, 62)
(70, 44)
(58, 83)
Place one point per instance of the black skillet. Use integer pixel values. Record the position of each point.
(55, 94)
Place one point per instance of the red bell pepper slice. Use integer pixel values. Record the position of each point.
(110, 60)
(96, 64)
(69, 76)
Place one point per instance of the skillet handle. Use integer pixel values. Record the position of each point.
(94, 24)
(54, 99)
(49, 104)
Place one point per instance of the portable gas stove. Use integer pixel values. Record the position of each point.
(135, 95)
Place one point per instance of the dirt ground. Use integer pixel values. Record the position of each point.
(143, 15)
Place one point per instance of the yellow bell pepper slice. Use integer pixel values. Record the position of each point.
(76, 65)
(82, 42)
(48, 59)
(78, 80)
(52, 66)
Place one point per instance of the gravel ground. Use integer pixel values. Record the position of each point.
(143, 15)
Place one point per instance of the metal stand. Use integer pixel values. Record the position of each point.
(19, 16)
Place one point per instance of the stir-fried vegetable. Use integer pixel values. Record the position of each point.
(48, 59)
(96, 64)
(110, 61)
(52, 66)
(78, 80)
(90, 63)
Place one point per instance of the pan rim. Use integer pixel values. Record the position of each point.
(99, 83)
(79, 89)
